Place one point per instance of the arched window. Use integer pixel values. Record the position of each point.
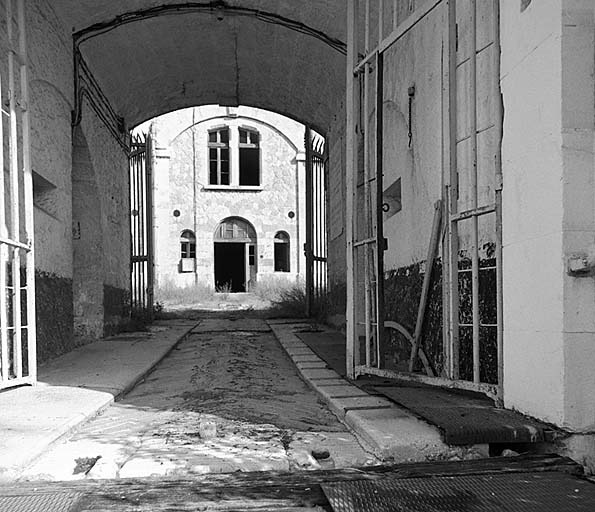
(219, 156)
(281, 252)
(235, 229)
(187, 251)
(249, 157)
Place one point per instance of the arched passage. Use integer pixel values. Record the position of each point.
(159, 57)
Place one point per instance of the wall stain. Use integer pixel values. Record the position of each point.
(54, 315)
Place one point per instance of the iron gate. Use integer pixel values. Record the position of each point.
(470, 348)
(18, 358)
(141, 227)
(316, 236)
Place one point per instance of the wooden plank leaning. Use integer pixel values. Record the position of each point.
(425, 291)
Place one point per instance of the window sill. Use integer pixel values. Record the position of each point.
(234, 188)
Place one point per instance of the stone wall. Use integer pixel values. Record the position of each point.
(182, 185)
(66, 280)
(51, 93)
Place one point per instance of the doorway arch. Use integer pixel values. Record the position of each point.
(235, 255)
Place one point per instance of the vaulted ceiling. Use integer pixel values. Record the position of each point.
(151, 57)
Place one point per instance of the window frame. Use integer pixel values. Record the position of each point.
(219, 146)
(282, 238)
(251, 134)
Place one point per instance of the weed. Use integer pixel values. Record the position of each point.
(168, 293)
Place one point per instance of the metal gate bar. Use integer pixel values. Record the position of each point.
(17, 339)
(370, 239)
(316, 238)
(141, 224)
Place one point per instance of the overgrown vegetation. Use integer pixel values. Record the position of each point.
(168, 293)
(288, 299)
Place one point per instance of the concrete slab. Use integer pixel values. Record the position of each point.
(39, 416)
(344, 390)
(395, 434)
(114, 365)
(76, 387)
(306, 358)
(340, 406)
(385, 429)
(299, 351)
(229, 324)
(318, 373)
(311, 365)
(293, 344)
(328, 383)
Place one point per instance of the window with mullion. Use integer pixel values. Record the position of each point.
(219, 156)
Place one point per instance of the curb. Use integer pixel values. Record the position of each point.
(383, 428)
(141, 376)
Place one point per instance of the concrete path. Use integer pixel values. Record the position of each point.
(387, 430)
(74, 388)
(226, 399)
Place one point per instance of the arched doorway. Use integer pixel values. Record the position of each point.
(235, 255)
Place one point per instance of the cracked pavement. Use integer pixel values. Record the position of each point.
(226, 399)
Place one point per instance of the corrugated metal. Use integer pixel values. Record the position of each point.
(43, 502)
(544, 492)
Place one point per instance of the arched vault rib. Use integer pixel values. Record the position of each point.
(218, 8)
(168, 57)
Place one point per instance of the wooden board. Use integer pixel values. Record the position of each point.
(266, 491)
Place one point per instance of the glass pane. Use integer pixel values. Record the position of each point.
(224, 178)
(254, 138)
(249, 166)
(212, 154)
(212, 136)
(243, 136)
(224, 135)
(225, 154)
(213, 173)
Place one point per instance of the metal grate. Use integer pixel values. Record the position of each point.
(555, 492)
(55, 502)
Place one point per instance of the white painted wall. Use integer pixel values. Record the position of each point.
(578, 138)
(531, 82)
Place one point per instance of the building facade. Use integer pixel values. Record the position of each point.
(228, 198)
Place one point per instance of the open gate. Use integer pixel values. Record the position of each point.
(18, 359)
(470, 351)
(141, 228)
(316, 236)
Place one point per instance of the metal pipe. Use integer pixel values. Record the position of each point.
(498, 122)
(453, 190)
(350, 173)
(474, 219)
(150, 249)
(366, 247)
(309, 222)
(367, 27)
(15, 197)
(380, 20)
(28, 197)
(378, 205)
(4, 366)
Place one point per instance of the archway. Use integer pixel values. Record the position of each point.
(235, 255)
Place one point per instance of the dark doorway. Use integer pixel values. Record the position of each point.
(230, 266)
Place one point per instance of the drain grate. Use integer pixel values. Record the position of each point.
(43, 502)
(543, 492)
